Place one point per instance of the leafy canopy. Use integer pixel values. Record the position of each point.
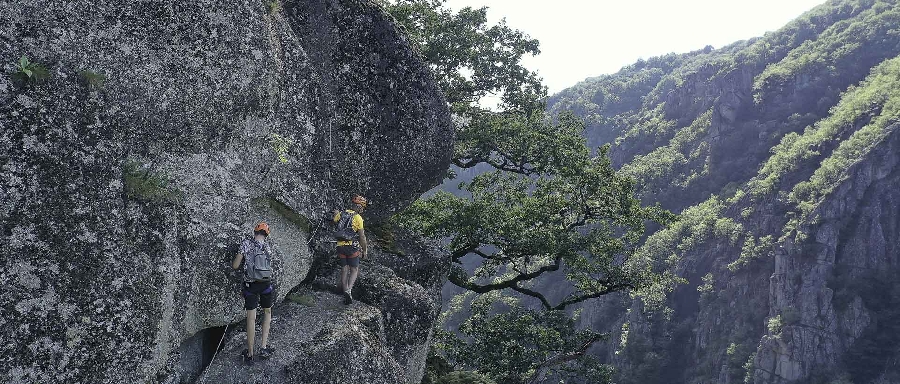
(518, 344)
(547, 205)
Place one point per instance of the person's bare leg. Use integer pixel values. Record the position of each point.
(251, 331)
(267, 319)
(354, 272)
(345, 277)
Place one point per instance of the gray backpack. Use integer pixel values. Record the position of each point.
(258, 263)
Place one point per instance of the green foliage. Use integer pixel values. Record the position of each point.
(675, 163)
(464, 377)
(549, 205)
(644, 124)
(436, 366)
(695, 226)
(610, 103)
(522, 142)
(798, 72)
(753, 249)
(29, 71)
(141, 183)
(518, 344)
(708, 287)
(281, 145)
(855, 40)
(306, 300)
(92, 79)
(737, 355)
(749, 366)
(874, 103)
(775, 325)
(384, 235)
(873, 98)
(623, 338)
(584, 217)
(469, 58)
(274, 6)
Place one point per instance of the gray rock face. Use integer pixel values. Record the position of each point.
(323, 342)
(405, 286)
(837, 286)
(122, 197)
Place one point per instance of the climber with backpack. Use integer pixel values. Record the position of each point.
(351, 243)
(257, 288)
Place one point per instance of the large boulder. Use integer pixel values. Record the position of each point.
(164, 132)
(316, 341)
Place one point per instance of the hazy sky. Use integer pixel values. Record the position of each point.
(585, 38)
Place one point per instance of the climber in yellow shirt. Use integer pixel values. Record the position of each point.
(351, 243)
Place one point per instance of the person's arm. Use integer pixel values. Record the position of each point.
(236, 263)
(363, 247)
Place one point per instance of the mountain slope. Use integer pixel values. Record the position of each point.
(779, 152)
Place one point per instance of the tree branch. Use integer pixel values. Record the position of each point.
(535, 294)
(607, 290)
(566, 357)
(505, 164)
(462, 282)
(460, 253)
(461, 279)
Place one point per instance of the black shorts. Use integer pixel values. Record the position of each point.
(258, 294)
(353, 262)
(348, 254)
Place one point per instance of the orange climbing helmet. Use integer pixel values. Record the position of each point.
(358, 199)
(262, 226)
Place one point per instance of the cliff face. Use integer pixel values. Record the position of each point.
(780, 154)
(164, 132)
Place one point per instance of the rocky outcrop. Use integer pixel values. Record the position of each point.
(383, 337)
(834, 292)
(163, 133)
(315, 341)
(754, 142)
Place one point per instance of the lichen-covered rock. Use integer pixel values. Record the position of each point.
(318, 341)
(164, 132)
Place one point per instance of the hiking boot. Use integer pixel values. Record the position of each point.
(347, 298)
(266, 352)
(246, 356)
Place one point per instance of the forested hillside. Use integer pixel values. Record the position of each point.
(781, 156)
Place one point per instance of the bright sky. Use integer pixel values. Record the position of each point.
(586, 38)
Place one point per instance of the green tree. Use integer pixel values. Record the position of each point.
(514, 344)
(470, 59)
(549, 206)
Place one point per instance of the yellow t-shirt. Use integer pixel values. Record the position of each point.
(356, 224)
